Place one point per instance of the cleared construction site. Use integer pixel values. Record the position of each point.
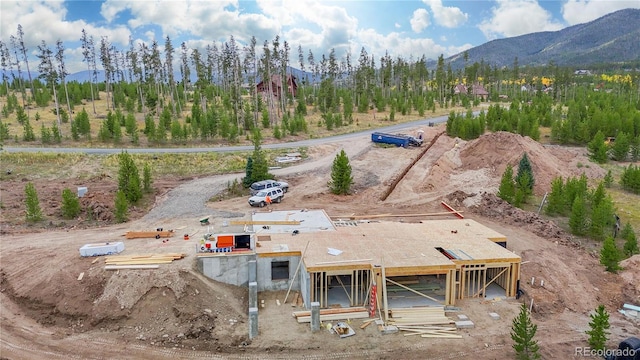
(369, 265)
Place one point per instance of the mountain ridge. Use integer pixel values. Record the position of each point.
(609, 39)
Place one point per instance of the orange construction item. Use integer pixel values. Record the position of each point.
(186, 236)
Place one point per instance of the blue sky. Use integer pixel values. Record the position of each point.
(406, 28)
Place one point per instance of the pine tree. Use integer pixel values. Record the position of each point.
(146, 178)
(34, 212)
(599, 325)
(70, 204)
(129, 178)
(341, 179)
(610, 255)
(523, 190)
(121, 207)
(578, 217)
(246, 180)
(608, 179)
(507, 189)
(259, 166)
(555, 199)
(522, 333)
(524, 169)
(597, 148)
(630, 247)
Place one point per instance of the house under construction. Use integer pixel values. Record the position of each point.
(374, 263)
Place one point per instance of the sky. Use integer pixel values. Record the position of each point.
(404, 28)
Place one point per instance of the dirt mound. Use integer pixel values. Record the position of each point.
(630, 274)
(165, 307)
(492, 206)
(493, 151)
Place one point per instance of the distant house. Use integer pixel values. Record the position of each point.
(582, 72)
(276, 86)
(479, 91)
(460, 89)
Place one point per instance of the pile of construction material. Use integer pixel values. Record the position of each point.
(157, 234)
(148, 261)
(428, 322)
(333, 314)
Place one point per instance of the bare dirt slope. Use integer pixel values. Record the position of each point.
(173, 312)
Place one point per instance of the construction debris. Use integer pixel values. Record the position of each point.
(143, 259)
(428, 322)
(134, 267)
(343, 329)
(333, 314)
(159, 233)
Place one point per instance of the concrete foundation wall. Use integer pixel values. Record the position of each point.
(265, 283)
(232, 270)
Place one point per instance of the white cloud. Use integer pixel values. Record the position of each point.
(420, 20)
(397, 26)
(513, 18)
(582, 11)
(46, 20)
(447, 16)
(398, 45)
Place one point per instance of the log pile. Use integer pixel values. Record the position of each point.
(140, 261)
(333, 314)
(427, 322)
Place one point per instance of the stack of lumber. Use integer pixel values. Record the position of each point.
(333, 314)
(148, 261)
(148, 234)
(428, 322)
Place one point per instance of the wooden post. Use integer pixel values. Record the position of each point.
(296, 273)
(384, 294)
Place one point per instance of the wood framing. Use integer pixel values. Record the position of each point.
(461, 256)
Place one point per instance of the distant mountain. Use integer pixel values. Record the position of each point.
(612, 38)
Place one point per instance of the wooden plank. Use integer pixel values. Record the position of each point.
(384, 293)
(489, 283)
(341, 261)
(361, 217)
(366, 323)
(265, 222)
(416, 292)
(454, 211)
(147, 234)
(330, 311)
(297, 270)
(122, 267)
(333, 317)
(81, 276)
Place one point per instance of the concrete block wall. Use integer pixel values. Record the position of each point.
(265, 283)
(232, 270)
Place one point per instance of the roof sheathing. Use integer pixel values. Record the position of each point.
(403, 248)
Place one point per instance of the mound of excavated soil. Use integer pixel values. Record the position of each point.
(492, 152)
(631, 274)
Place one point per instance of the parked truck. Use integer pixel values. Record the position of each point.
(395, 139)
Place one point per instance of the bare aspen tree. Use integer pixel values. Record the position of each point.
(62, 72)
(88, 56)
(48, 72)
(23, 50)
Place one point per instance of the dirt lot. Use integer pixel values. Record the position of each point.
(174, 312)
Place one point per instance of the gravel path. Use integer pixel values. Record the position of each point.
(189, 200)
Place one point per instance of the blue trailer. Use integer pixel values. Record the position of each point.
(397, 140)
